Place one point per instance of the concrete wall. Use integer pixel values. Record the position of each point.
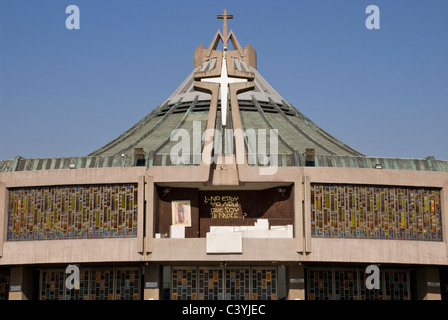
(301, 248)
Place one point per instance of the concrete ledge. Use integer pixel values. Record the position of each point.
(70, 251)
(378, 251)
(224, 242)
(194, 249)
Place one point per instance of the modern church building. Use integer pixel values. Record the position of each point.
(224, 192)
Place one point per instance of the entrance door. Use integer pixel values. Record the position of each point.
(233, 283)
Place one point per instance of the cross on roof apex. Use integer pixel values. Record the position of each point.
(247, 54)
(225, 35)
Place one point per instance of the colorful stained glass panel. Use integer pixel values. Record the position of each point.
(376, 212)
(52, 285)
(233, 283)
(264, 284)
(184, 284)
(237, 284)
(127, 284)
(211, 284)
(72, 212)
(95, 284)
(83, 292)
(349, 284)
(320, 284)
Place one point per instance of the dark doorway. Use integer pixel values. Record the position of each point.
(443, 273)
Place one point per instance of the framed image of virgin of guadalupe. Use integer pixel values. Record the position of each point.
(181, 213)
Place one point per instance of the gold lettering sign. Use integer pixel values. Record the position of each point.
(224, 207)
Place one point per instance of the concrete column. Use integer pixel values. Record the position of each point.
(153, 282)
(4, 202)
(141, 213)
(21, 281)
(296, 278)
(428, 284)
(149, 214)
(298, 215)
(307, 212)
(444, 215)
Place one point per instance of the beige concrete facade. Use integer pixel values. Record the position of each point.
(151, 249)
(151, 253)
(295, 253)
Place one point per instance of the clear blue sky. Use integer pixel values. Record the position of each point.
(68, 92)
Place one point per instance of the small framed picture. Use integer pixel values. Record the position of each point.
(181, 213)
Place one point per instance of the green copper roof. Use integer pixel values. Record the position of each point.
(296, 134)
(296, 159)
(262, 108)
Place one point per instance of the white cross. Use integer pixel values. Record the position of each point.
(224, 82)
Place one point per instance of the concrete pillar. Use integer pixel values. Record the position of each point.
(21, 281)
(141, 213)
(307, 212)
(298, 215)
(150, 202)
(4, 202)
(296, 276)
(428, 284)
(153, 282)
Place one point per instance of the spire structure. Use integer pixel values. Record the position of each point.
(224, 80)
(225, 93)
(225, 35)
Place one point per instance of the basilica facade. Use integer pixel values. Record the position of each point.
(223, 192)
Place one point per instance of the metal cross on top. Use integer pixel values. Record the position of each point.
(225, 36)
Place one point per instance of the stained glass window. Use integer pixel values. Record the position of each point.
(346, 284)
(264, 284)
(83, 292)
(396, 285)
(366, 294)
(237, 284)
(320, 284)
(211, 284)
(102, 284)
(127, 284)
(349, 284)
(184, 284)
(52, 285)
(233, 283)
(375, 212)
(72, 212)
(95, 284)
